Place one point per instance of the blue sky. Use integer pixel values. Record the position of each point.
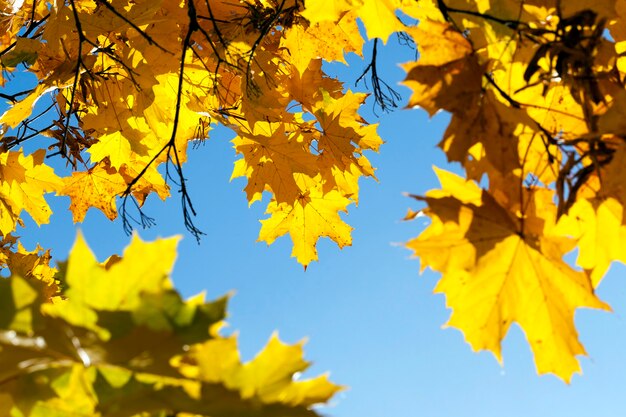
(370, 318)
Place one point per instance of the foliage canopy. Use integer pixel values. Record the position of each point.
(119, 89)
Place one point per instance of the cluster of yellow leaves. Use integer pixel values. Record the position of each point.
(115, 339)
(535, 91)
(134, 82)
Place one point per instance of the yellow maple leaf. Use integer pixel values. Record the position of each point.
(327, 10)
(598, 226)
(495, 274)
(447, 76)
(492, 137)
(118, 284)
(271, 158)
(378, 16)
(268, 377)
(300, 86)
(21, 110)
(31, 265)
(23, 182)
(313, 215)
(343, 130)
(143, 268)
(330, 40)
(98, 187)
(596, 219)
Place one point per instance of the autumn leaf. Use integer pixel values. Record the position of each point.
(327, 10)
(327, 39)
(598, 226)
(24, 51)
(23, 182)
(486, 260)
(596, 220)
(269, 376)
(342, 129)
(378, 16)
(313, 215)
(97, 187)
(272, 159)
(447, 74)
(32, 265)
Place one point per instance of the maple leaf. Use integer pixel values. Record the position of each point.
(495, 274)
(97, 187)
(25, 51)
(24, 181)
(327, 10)
(269, 376)
(378, 16)
(271, 161)
(330, 40)
(596, 219)
(300, 85)
(493, 138)
(313, 215)
(598, 227)
(33, 265)
(341, 128)
(448, 74)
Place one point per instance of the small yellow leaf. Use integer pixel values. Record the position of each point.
(314, 214)
(21, 110)
(598, 226)
(327, 10)
(447, 75)
(23, 182)
(97, 187)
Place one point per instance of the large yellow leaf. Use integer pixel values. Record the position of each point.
(497, 271)
(143, 269)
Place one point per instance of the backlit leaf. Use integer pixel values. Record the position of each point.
(496, 274)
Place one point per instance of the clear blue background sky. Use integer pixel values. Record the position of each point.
(370, 318)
